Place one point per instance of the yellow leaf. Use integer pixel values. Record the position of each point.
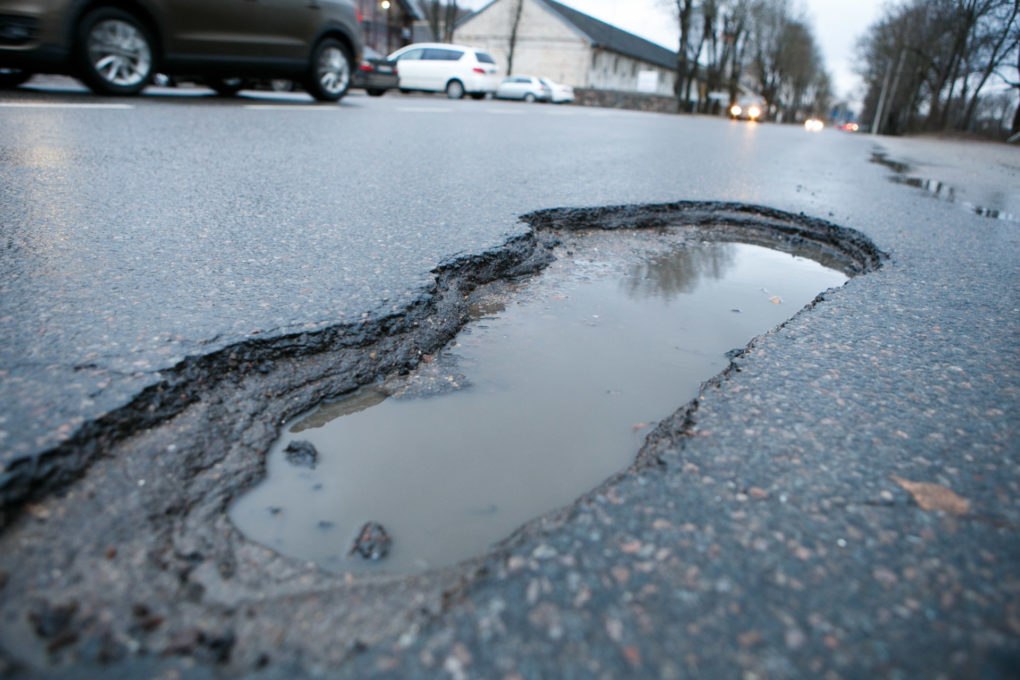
(934, 497)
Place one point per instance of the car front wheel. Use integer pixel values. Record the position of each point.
(455, 89)
(329, 74)
(114, 52)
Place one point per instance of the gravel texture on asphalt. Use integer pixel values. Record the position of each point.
(773, 528)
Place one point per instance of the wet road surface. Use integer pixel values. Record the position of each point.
(778, 536)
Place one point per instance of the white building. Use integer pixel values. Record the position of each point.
(570, 47)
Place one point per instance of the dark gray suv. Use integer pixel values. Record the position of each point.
(116, 46)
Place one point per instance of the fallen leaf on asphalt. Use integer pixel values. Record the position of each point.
(934, 496)
(641, 426)
(775, 299)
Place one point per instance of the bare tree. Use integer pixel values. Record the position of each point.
(768, 25)
(1015, 128)
(686, 56)
(441, 16)
(516, 7)
(713, 39)
(735, 31)
(992, 46)
(927, 62)
(721, 40)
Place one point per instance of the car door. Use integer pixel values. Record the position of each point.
(411, 68)
(240, 29)
(440, 67)
(518, 88)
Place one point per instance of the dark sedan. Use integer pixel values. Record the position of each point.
(117, 47)
(376, 74)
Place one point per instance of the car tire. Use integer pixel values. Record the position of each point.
(376, 93)
(114, 52)
(10, 78)
(530, 98)
(226, 87)
(455, 89)
(478, 95)
(329, 73)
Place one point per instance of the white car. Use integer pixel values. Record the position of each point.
(440, 67)
(528, 88)
(560, 93)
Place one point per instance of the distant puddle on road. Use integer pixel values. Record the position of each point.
(549, 391)
(936, 188)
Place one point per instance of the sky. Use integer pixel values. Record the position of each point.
(837, 24)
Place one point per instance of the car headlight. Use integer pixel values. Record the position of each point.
(753, 112)
(736, 110)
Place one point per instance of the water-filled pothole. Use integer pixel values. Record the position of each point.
(545, 394)
(938, 189)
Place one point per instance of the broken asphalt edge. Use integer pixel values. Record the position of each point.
(49, 471)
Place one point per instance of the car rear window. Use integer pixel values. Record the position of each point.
(484, 58)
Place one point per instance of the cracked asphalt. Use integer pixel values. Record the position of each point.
(770, 540)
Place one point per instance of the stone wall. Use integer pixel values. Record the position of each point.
(614, 99)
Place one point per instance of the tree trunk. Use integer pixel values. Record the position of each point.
(683, 67)
(451, 21)
(516, 9)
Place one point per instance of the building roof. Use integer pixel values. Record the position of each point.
(609, 37)
(601, 34)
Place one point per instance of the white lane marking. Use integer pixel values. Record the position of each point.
(290, 107)
(423, 109)
(46, 105)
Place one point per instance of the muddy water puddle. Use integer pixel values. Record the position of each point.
(547, 392)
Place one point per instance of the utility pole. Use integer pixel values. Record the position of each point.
(887, 91)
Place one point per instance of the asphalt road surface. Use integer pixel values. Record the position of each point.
(781, 534)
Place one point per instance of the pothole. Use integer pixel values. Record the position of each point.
(123, 530)
(547, 392)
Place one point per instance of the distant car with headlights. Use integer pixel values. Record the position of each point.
(375, 74)
(441, 67)
(814, 125)
(560, 93)
(748, 108)
(526, 88)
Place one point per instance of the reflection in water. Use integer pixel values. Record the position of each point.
(679, 271)
(560, 383)
(366, 397)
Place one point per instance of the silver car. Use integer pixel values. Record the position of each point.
(528, 88)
